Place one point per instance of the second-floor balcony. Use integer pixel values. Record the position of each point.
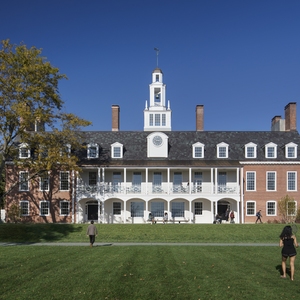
(150, 188)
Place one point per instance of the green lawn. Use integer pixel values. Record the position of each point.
(189, 233)
(139, 272)
(144, 272)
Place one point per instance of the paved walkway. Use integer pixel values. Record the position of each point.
(141, 244)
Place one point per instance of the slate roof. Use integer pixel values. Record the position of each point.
(180, 147)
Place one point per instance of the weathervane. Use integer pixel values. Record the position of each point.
(157, 51)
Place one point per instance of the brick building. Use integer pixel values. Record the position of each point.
(190, 175)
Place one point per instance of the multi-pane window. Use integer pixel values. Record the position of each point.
(137, 209)
(198, 152)
(137, 182)
(270, 150)
(250, 208)
(116, 181)
(250, 150)
(157, 119)
(291, 150)
(157, 209)
(222, 150)
(117, 152)
(291, 208)
(271, 208)
(116, 208)
(44, 208)
(291, 181)
(157, 180)
(24, 207)
(198, 208)
(64, 208)
(44, 182)
(198, 181)
(271, 181)
(92, 178)
(151, 120)
(177, 209)
(93, 151)
(177, 182)
(23, 181)
(250, 181)
(24, 151)
(64, 181)
(163, 119)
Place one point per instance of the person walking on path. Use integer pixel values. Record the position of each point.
(259, 216)
(92, 232)
(288, 243)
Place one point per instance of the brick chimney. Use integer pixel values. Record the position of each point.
(290, 117)
(115, 117)
(199, 118)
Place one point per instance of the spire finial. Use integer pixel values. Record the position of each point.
(157, 52)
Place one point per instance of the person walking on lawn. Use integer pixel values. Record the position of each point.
(92, 232)
(259, 216)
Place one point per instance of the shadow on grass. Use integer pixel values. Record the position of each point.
(27, 233)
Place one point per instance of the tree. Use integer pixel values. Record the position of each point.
(287, 209)
(30, 103)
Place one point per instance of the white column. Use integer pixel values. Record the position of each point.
(212, 181)
(212, 211)
(124, 212)
(168, 179)
(241, 214)
(190, 180)
(146, 181)
(216, 180)
(125, 180)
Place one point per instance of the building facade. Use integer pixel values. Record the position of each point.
(190, 175)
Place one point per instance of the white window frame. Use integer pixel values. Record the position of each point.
(251, 145)
(116, 145)
(200, 208)
(66, 150)
(275, 208)
(195, 146)
(287, 181)
(40, 185)
(21, 148)
(267, 147)
(60, 208)
(221, 146)
(254, 209)
(48, 204)
(60, 180)
(275, 181)
(254, 189)
(21, 182)
(89, 148)
(295, 211)
(28, 208)
(291, 145)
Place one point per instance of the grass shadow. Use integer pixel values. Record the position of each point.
(27, 233)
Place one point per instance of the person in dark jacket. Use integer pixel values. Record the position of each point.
(92, 232)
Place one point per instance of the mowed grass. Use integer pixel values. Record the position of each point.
(144, 272)
(185, 233)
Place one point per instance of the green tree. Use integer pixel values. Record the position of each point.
(30, 99)
(287, 209)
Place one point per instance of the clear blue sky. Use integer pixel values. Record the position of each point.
(239, 58)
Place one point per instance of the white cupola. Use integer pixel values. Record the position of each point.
(157, 116)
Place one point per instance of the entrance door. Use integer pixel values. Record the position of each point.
(92, 212)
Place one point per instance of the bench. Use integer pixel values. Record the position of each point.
(168, 221)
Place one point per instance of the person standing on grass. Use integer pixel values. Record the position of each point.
(288, 243)
(259, 216)
(92, 232)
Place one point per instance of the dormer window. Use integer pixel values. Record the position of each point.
(198, 150)
(66, 150)
(24, 151)
(291, 150)
(222, 150)
(271, 150)
(250, 150)
(117, 150)
(93, 151)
